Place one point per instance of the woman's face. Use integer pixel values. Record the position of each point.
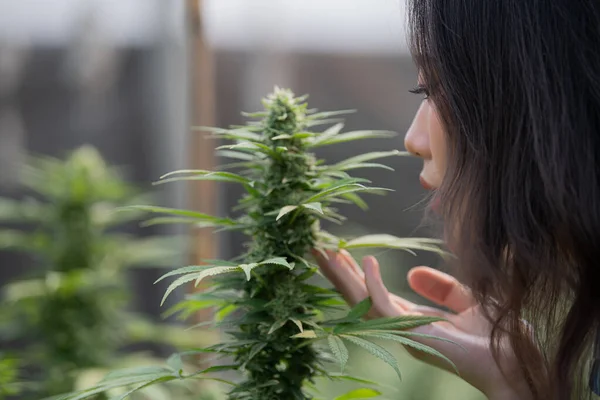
(425, 139)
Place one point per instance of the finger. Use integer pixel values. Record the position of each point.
(440, 288)
(402, 302)
(339, 273)
(382, 302)
(352, 263)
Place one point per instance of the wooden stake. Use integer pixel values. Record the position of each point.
(202, 194)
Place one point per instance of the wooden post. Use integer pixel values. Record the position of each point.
(202, 194)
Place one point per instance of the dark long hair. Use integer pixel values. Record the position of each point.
(517, 86)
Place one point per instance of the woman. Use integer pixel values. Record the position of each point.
(509, 133)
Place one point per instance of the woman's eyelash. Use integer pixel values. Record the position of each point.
(420, 90)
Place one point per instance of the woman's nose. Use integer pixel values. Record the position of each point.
(416, 140)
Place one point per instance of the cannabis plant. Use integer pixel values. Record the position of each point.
(280, 334)
(68, 314)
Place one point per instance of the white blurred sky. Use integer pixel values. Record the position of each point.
(331, 26)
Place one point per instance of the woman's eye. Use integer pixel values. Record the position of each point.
(420, 90)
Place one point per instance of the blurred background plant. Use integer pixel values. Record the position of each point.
(69, 316)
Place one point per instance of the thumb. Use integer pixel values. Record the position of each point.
(440, 288)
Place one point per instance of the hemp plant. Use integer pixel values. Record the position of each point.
(280, 337)
(68, 314)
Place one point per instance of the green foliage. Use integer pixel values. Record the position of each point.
(70, 310)
(280, 338)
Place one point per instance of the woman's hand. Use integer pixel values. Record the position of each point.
(467, 326)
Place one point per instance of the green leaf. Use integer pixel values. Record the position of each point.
(28, 210)
(249, 146)
(361, 393)
(333, 190)
(175, 363)
(298, 323)
(183, 270)
(142, 386)
(408, 342)
(278, 261)
(351, 188)
(307, 334)
(327, 134)
(247, 268)
(12, 239)
(393, 242)
(200, 217)
(329, 114)
(403, 322)
(171, 220)
(340, 376)
(197, 277)
(420, 335)
(236, 155)
(361, 158)
(285, 210)
(365, 165)
(202, 175)
(375, 350)
(356, 199)
(314, 206)
(256, 348)
(277, 325)
(355, 135)
(236, 134)
(360, 309)
(339, 350)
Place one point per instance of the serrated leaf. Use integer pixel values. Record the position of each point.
(248, 146)
(329, 114)
(334, 375)
(247, 268)
(361, 393)
(332, 191)
(314, 206)
(350, 167)
(361, 158)
(411, 343)
(183, 270)
(257, 348)
(298, 323)
(200, 217)
(175, 363)
(238, 155)
(343, 190)
(360, 309)
(420, 335)
(355, 135)
(394, 242)
(401, 323)
(202, 175)
(327, 134)
(197, 277)
(257, 114)
(278, 261)
(356, 199)
(339, 350)
(237, 134)
(285, 210)
(172, 220)
(375, 350)
(277, 325)
(307, 334)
